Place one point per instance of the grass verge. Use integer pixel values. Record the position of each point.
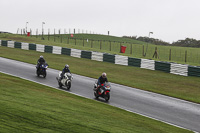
(187, 88)
(30, 107)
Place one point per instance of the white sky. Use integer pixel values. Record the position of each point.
(169, 20)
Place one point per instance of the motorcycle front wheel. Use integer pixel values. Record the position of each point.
(107, 97)
(37, 72)
(45, 74)
(68, 85)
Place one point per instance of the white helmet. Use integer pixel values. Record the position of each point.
(41, 56)
(67, 66)
(104, 75)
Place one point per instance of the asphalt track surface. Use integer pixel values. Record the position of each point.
(167, 109)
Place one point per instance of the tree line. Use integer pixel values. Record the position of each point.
(188, 42)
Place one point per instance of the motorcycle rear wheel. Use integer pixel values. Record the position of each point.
(60, 84)
(44, 75)
(96, 95)
(37, 72)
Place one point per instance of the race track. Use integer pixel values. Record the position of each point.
(170, 110)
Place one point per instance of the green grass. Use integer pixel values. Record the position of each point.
(102, 43)
(187, 88)
(30, 107)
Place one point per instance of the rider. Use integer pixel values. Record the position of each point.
(65, 70)
(40, 61)
(102, 79)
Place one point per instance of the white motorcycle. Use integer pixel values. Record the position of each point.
(66, 81)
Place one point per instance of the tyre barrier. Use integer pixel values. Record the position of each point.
(168, 67)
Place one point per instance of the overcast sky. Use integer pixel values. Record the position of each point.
(169, 20)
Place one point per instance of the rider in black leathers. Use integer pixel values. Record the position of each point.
(40, 61)
(102, 79)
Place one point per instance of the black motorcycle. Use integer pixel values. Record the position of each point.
(42, 70)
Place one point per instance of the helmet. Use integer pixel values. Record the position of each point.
(103, 75)
(41, 56)
(66, 66)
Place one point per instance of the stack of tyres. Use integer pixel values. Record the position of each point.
(109, 58)
(194, 71)
(134, 62)
(162, 66)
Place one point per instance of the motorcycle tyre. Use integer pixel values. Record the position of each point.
(60, 84)
(107, 97)
(37, 72)
(96, 95)
(45, 74)
(69, 86)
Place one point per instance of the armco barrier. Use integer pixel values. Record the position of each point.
(173, 68)
(18, 45)
(66, 51)
(121, 60)
(109, 58)
(134, 62)
(193, 71)
(179, 69)
(48, 49)
(162, 66)
(86, 54)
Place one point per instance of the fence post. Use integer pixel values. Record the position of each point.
(131, 49)
(170, 54)
(83, 42)
(100, 44)
(54, 36)
(48, 35)
(143, 51)
(110, 45)
(75, 41)
(185, 55)
(36, 33)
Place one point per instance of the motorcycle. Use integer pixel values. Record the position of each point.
(66, 81)
(103, 91)
(42, 70)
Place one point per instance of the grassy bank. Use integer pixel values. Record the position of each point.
(29, 107)
(111, 44)
(187, 88)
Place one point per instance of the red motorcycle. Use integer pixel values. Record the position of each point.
(103, 91)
